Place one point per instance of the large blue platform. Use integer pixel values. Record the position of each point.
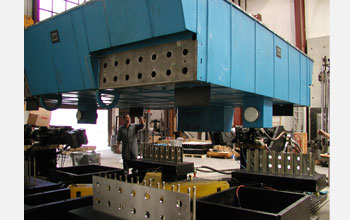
(235, 54)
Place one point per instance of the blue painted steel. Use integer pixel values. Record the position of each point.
(281, 70)
(96, 25)
(127, 26)
(264, 106)
(219, 43)
(264, 61)
(234, 49)
(303, 78)
(243, 45)
(83, 49)
(104, 105)
(294, 76)
(211, 118)
(38, 62)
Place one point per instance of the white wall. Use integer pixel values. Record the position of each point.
(28, 7)
(278, 15)
(317, 18)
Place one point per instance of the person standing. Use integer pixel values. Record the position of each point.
(127, 134)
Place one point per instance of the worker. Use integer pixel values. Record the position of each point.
(127, 133)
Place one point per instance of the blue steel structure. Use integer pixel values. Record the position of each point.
(244, 63)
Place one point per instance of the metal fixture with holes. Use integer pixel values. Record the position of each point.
(136, 201)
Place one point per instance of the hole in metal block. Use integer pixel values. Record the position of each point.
(147, 196)
(270, 157)
(279, 166)
(178, 203)
(116, 63)
(133, 193)
(279, 157)
(185, 52)
(115, 79)
(139, 76)
(140, 59)
(298, 158)
(154, 56)
(288, 158)
(127, 77)
(104, 80)
(127, 61)
(120, 206)
(98, 200)
(153, 74)
(168, 72)
(184, 70)
(97, 184)
(109, 203)
(147, 215)
(105, 65)
(161, 200)
(162, 217)
(169, 54)
(108, 187)
(133, 211)
(288, 167)
(298, 167)
(270, 165)
(120, 190)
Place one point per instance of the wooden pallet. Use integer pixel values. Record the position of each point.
(225, 155)
(195, 155)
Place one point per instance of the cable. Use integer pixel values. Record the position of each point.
(213, 169)
(268, 136)
(239, 202)
(293, 141)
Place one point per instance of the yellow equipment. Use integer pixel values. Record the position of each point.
(80, 190)
(28, 21)
(204, 187)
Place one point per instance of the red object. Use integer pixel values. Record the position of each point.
(300, 35)
(240, 186)
(237, 116)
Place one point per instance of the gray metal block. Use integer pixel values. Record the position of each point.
(165, 63)
(134, 201)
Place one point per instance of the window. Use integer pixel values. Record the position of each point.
(49, 8)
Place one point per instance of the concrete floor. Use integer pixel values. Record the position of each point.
(108, 158)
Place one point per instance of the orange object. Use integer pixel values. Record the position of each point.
(28, 21)
(301, 139)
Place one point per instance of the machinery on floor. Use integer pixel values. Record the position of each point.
(201, 57)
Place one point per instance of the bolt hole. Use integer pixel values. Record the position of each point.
(127, 77)
(127, 61)
(104, 80)
(120, 206)
(161, 201)
(169, 54)
(105, 65)
(178, 203)
(109, 203)
(133, 193)
(120, 190)
(154, 56)
(140, 59)
(115, 79)
(133, 211)
(153, 74)
(185, 52)
(139, 76)
(168, 72)
(147, 196)
(147, 215)
(184, 70)
(116, 63)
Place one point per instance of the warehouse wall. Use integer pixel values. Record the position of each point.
(277, 15)
(317, 18)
